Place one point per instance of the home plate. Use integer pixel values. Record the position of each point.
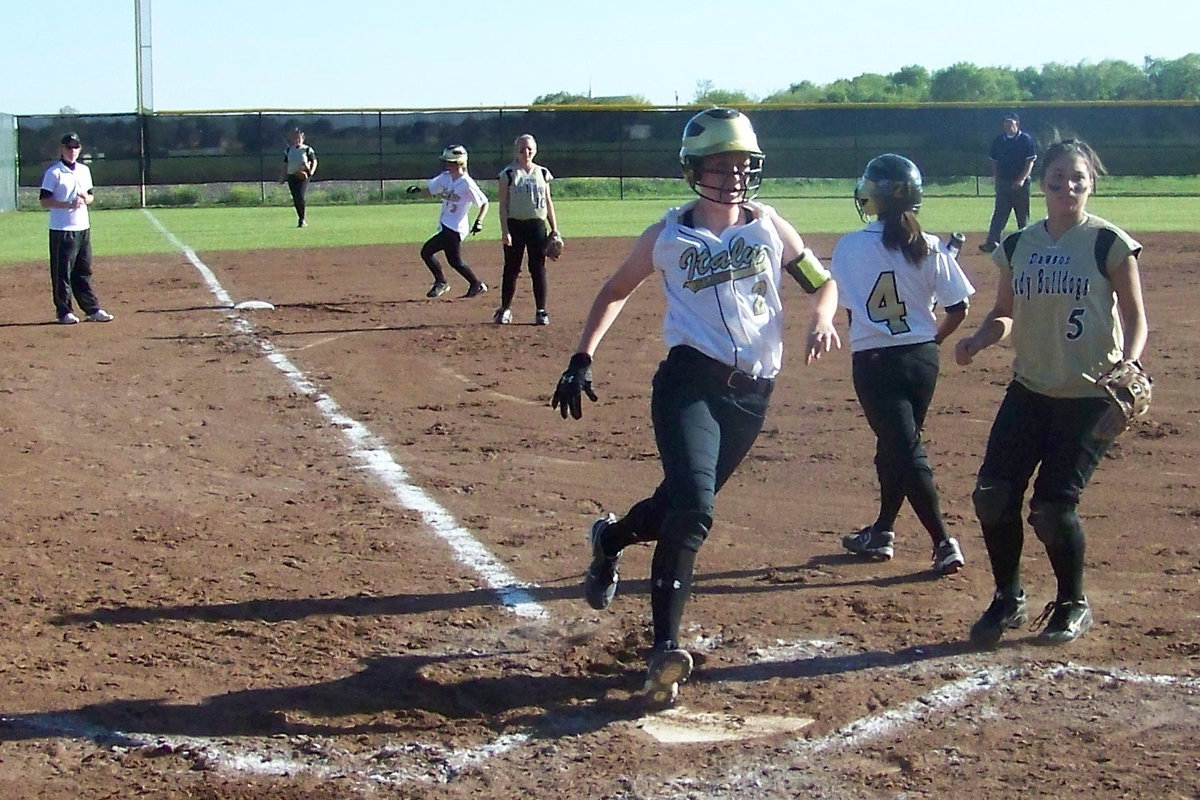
(254, 305)
(679, 726)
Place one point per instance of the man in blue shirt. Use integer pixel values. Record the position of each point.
(1013, 153)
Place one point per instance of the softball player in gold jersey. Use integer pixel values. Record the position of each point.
(1070, 299)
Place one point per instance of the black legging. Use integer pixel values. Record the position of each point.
(528, 236)
(703, 429)
(448, 241)
(895, 386)
(298, 187)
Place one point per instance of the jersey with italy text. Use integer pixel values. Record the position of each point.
(722, 291)
(458, 194)
(1066, 327)
(892, 301)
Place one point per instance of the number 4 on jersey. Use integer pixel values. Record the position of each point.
(884, 304)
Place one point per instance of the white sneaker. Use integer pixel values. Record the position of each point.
(99, 315)
(875, 545)
(948, 558)
(503, 316)
(68, 319)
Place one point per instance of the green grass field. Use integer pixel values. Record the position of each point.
(130, 232)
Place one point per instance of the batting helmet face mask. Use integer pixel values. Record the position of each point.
(455, 154)
(721, 130)
(889, 186)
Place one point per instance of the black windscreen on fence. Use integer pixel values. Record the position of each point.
(811, 142)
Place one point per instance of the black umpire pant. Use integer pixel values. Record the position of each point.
(528, 236)
(895, 386)
(706, 418)
(1008, 201)
(71, 271)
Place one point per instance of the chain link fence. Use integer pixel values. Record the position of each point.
(373, 148)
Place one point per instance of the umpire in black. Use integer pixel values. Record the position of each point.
(1012, 155)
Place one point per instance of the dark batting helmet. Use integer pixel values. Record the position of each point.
(889, 186)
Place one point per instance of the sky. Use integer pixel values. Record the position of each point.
(382, 54)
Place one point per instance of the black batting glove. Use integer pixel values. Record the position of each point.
(477, 227)
(575, 381)
(413, 189)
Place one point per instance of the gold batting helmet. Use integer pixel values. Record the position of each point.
(720, 130)
(455, 154)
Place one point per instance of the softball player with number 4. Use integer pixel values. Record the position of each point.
(720, 259)
(892, 276)
(1070, 296)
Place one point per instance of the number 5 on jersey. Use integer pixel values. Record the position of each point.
(884, 304)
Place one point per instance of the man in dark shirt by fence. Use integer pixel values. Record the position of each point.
(1013, 153)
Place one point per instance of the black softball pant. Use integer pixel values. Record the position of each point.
(895, 386)
(71, 271)
(299, 188)
(1032, 429)
(448, 241)
(703, 428)
(528, 236)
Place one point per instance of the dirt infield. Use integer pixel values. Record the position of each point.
(333, 550)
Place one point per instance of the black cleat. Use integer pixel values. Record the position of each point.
(1068, 620)
(670, 666)
(1005, 613)
(600, 580)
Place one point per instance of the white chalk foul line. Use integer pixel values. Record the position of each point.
(423, 763)
(757, 778)
(373, 454)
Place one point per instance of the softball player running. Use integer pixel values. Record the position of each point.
(892, 276)
(459, 192)
(1071, 298)
(720, 259)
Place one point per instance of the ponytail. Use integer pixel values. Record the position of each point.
(903, 232)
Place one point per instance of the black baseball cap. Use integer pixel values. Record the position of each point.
(71, 138)
(1014, 116)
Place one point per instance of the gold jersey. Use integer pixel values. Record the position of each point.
(1066, 326)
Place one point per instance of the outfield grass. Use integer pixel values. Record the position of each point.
(129, 231)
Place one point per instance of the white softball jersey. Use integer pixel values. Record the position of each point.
(65, 184)
(458, 195)
(722, 292)
(297, 158)
(892, 301)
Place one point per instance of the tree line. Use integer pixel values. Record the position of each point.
(1112, 80)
